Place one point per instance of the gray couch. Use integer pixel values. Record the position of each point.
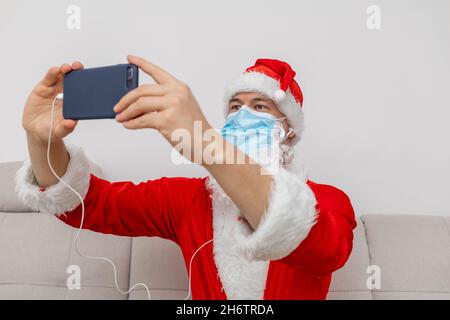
(412, 252)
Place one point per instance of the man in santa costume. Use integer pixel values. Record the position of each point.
(275, 236)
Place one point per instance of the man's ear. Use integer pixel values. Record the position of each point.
(291, 136)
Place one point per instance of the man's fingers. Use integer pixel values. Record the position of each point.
(141, 106)
(69, 124)
(77, 65)
(65, 68)
(64, 127)
(54, 74)
(133, 95)
(157, 73)
(51, 77)
(148, 120)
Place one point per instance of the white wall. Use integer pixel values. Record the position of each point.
(376, 101)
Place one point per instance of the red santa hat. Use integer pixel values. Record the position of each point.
(275, 79)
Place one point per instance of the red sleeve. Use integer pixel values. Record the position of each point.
(151, 208)
(329, 242)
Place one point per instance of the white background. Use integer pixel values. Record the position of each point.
(376, 101)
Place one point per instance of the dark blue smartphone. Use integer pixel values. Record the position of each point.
(92, 93)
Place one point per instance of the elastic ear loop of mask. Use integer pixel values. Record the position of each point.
(286, 136)
(75, 241)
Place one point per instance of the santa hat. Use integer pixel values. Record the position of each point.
(275, 79)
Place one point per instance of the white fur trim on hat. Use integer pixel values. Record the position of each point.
(254, 81)
(279, 95)
(290, 216)
(57, 198)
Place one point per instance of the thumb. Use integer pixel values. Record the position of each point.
(64, 127)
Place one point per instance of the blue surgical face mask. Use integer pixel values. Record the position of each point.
(258, 134)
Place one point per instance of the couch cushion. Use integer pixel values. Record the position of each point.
(413, 253)
(349, 282)
(160, 265)
(8, 198)
(39, 292)
(35, 251)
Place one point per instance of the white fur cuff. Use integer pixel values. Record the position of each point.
(57, 198)
(290, 216)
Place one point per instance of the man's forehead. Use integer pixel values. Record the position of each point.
(252, 95)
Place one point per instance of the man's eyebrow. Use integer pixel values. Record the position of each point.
(235, 100)
(260, 99)
(253, 100)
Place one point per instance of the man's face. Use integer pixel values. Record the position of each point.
(261, 103)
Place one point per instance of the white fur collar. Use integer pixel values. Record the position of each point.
(241, 278)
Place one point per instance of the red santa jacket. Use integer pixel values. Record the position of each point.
(304, 236)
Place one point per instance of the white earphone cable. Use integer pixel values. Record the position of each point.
(75, 241)
(190, 267)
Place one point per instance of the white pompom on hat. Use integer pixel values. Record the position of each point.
(275, 79)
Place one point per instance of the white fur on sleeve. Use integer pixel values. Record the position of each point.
(57, 198)
(290, 215)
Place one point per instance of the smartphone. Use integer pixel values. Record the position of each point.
(92, 93)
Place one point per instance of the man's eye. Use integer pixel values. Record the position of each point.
(260, 107)
(235, 107)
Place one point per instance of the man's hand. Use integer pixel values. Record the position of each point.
(36, 122)
(165, 106)
(169, 105)
(37, 111)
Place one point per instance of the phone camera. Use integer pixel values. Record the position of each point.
(130, 74)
